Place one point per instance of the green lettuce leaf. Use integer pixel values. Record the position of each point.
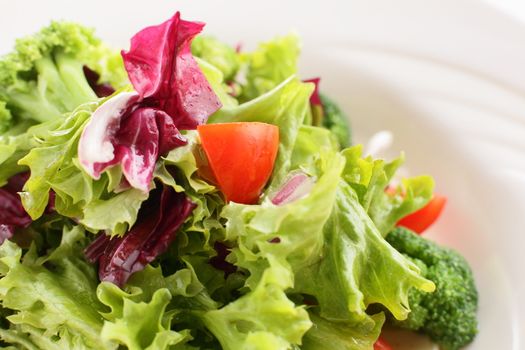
(115, 214)
(328, 335)
(148, 292)
(369, 177)
(183, 158)
(359, 267)
(270, 64)
(52, 297)
(179, 169)
(15, 147)
(262, 319)
(137, 323)
(310, 142)
(54, 165)
(218, 54)
(55, 152)
(298, 225)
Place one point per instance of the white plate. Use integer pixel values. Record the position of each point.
(446, 76)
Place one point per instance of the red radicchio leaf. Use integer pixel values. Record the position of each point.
(219, 261)
(100, 89)
(122, 132)
(159, 219)
(163, 71)
(143, 135)
(12, 213)
(315, 99)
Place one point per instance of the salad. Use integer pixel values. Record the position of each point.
(184, 194)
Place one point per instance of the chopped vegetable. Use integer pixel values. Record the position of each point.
(133, 128)
(159, 219)
(135, 142)
(424, 217)
(448, 315)
(241, 156)
(164, 73)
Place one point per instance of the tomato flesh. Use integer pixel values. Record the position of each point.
(241, 157)
(381, 344)
(420, 220)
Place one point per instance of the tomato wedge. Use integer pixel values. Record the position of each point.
(241, 157)
(420, 220)
(381, 344)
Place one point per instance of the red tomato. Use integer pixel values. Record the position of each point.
(420, 220)
(241, 156)
(381, 344)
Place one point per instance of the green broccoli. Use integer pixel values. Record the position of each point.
(447, 316)
(44, 76)
(336, 121)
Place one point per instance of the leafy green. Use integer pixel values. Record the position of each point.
(298, 226)
(310, 142)
(115, 214)
(54, 165)
(52, 156)
(262, 319)
(218, 54)
(53, 297)
(355, 265)
(43, 77)
(136, 323)
(327, 335)
(16, 146)
(270, 64)
(369, 178)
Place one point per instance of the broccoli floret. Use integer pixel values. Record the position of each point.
(336, 121)
(44, 76)
(447, 316)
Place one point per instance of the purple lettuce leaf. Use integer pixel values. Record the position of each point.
(159, 219)
(134, 128)
(12, 213)
(163, 71)
(100, 89)
(315, 99)
(143, 136)
(122, 132)
(219, 261)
